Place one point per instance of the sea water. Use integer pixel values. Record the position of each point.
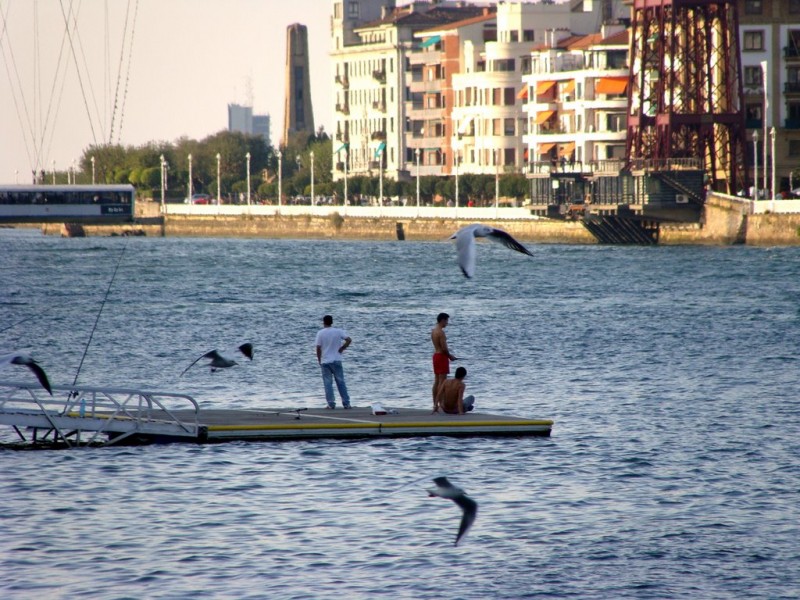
(671, 374)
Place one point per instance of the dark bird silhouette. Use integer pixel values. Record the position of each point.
(465, 244)
(218, 360)
(469, 508)
(20, 358)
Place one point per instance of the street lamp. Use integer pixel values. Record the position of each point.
(311, 156)
(280, 177)
(755, 164)
(247, 156)
(16, 175)
(416, 155)
(93, 169)
(219, 195)
(765, 82)
(455, 164)
(346, 160)
(74, 171)
(772, 141)
(54, 172)
(163, 172)
(190, 177)
(496, 180)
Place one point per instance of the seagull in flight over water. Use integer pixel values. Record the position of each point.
(445, 489)
(20, 358)
(219, 360)
(465, 244)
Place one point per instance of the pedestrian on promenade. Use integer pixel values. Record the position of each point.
(331, 342)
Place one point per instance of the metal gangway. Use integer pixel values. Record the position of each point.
(83, 415)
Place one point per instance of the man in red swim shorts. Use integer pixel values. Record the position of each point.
(441, 353)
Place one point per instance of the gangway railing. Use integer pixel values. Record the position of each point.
(98, 411)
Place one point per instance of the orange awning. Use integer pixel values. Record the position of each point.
(523, 93)
(543, 87)
(566, 149)
(542, 116)
(545, 148)
(611, 85)
(569, 87)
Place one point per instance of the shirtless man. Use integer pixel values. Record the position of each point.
(451, 395)
(441, 354)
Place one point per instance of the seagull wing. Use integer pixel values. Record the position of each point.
(212, 354)
(465, 245)
(40, 375)
(247, 350)
(505, 238)
(470, 509)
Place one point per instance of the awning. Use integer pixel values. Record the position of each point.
(566, 149)
(569, 87)
(431, 41)
(543, 116)
(523, 93)
(611, 85)
(545, 148)
(543, 87)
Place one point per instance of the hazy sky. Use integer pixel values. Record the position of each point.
(190, 58)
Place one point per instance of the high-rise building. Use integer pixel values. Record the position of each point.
(298, 111)
(242, 119)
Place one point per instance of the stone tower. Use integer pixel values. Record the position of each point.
(298, 113)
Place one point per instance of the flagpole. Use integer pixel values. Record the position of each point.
(765, 82)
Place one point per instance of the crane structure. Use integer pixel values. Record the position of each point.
(686, 104)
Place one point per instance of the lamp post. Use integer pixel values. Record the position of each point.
(247, 156)
(416, 155)
(163, 172)
(774, 191)
(54, 172)
(496, 181)
(219, 195)
(346, 160)
(755, 165)
(765, 82)
(380, 181)
(190, 177)
(311, 156)
(455, 163)
(16, 175)
(93, 169)
(280, 178)
(74, 170)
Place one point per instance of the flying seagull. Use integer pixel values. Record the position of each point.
(465, 244)
(20, 358)
(222, 361)
(445, 489)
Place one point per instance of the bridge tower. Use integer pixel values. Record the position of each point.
(686, 99)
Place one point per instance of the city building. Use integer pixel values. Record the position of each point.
(371, 43)
(242, 119)
(769, 34)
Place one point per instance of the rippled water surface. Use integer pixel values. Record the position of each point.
(671, 374)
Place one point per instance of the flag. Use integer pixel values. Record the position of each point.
(342, 147)
(380, 150)
(764, 83)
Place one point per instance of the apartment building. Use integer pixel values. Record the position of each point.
(372, 40)
(769, 33)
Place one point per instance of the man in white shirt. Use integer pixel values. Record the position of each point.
(331, 342)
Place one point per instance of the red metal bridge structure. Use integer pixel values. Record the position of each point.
(686, 100)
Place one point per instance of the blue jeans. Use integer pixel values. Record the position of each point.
(331, 371)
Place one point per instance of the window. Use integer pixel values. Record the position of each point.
(753, 40)
(352, 9)
(753, 77)
(508, 127)
(794, 7)
(509, 156)
(527, 35)
(794, 147)
(752, 115)
(496, 124)
(509, 96)
(753, 7)
(514, 36)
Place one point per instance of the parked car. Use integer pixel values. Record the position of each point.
(201, 199)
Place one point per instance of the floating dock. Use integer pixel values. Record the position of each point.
(104, 416)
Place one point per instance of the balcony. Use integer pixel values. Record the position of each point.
(379, 76)
(343, 81)
(343, 108)
(791, 87)
(342, 137)
(378, 135)
(791, 53)
(379, 105)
